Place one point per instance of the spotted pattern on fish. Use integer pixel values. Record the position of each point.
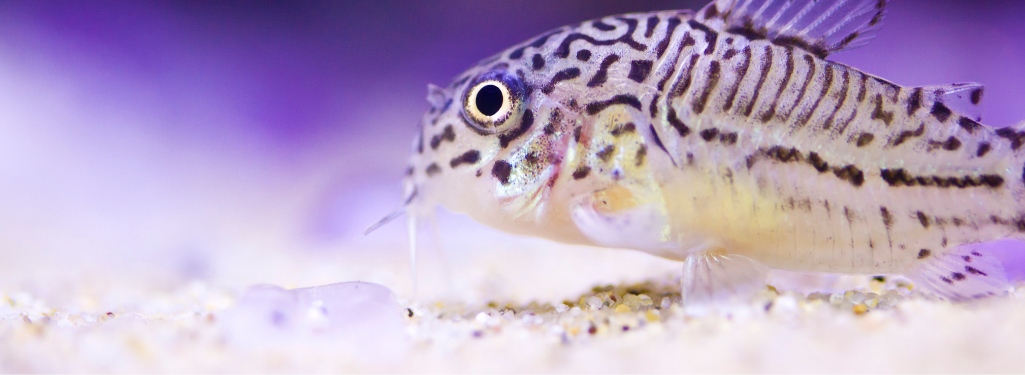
(871, 176)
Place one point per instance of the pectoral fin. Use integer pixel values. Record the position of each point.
(607, 223)
(713, 278)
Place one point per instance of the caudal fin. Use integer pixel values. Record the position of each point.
(963, 274)
(1014, 136)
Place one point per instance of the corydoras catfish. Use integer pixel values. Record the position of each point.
(728, 140)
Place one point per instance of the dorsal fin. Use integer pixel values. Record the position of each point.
(962, 98)
(819, 26)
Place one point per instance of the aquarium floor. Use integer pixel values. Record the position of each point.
(609, 329)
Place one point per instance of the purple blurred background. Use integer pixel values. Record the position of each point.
(164, 133)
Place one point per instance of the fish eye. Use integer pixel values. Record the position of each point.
(490, 99)
(492, 102)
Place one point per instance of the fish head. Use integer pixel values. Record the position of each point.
(494, 142)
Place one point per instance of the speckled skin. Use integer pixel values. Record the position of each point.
(705, 137)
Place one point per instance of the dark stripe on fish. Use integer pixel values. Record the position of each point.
(525, 123)
(915, 101)
(563, 50)
(664, 44)
(804, 88)
(900, 177)
(447, 134)
(849, 173)
(766, 66)
(844, 89)
(771, 112)
(711, 37)
(744, 66)
(940, 111)
(968, 124)
(802, 119)
(713, 80)
(470, 157)
(658, 142)
(650, 26)
(598, 106)
(639, 70)
(677, 124)
(603, 71)
(681, 87)
(879, 113)
(563, 75)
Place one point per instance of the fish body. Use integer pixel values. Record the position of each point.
(726, 139)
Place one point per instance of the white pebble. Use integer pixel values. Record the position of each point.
(482, 318)
(856, 297)
(595, 302)
(556, 329)
(785, 303)
(836, 298)
(561, 308)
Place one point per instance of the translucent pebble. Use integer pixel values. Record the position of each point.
(855, 297)
(561, 308)
(645, 300)
(363, 315)
(665, 303)
(836, 298)
(65, 322)
(527, 318)
(575, 310)
(652, 316)
(508, 314)
(817, 296)
(317, 316)
(632, 299)
(595, 302)
(622, 308)
(891, 295)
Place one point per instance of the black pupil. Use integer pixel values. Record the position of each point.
(489, 100)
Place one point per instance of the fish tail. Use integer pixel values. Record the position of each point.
(1014, 137)
(972, 269)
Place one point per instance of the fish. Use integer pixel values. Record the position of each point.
(727, 140)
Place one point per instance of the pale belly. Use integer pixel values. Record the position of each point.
(729, 211)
